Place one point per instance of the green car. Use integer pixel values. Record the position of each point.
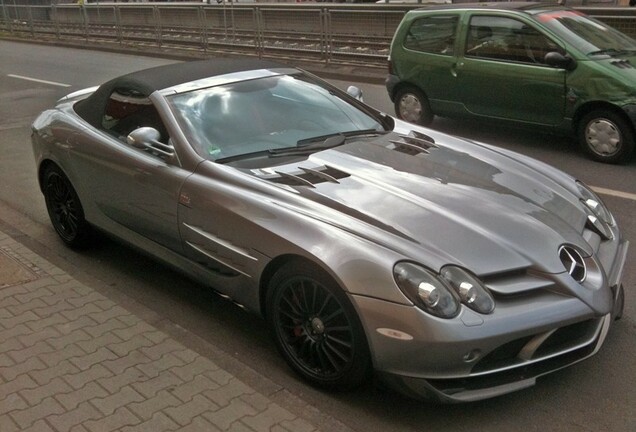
(527, 63)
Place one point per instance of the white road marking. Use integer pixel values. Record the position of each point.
(39, 80)
(619, 194)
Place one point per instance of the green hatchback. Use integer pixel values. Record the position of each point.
(527, 63)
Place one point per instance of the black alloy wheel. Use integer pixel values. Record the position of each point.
(64, 208)
(316, 328)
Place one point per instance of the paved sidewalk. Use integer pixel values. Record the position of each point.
(73, 360)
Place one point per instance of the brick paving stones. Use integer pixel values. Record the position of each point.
(73, 360)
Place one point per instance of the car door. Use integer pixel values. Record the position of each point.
(129, 187)
(213, 228)
(428, 58)
(502, 73)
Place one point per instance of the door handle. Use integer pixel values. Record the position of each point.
(455, 67)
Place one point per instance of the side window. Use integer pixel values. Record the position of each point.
(432, 34)
(502, 38)
(127, 110)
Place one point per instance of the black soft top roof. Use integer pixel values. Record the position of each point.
(143, 83)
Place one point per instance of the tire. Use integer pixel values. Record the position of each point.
(606, 136)
(65, 209)
(316, 328)
(411, 105)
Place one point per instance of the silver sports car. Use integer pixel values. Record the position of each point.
(453, 269)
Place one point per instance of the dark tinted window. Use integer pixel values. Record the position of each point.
(432, 34)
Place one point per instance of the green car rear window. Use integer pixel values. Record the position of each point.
(432, 34)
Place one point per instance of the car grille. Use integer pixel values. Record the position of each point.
(561, 340)
(513, 361)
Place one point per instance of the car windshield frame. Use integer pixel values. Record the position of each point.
(586, 34)
(236, 120)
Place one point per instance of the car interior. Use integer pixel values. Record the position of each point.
(126, 110)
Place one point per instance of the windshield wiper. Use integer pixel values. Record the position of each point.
(241, 156)
(332, 141)
(348, 134)
(611, 52)
(327, 143)
(323, 142)
(304, 146)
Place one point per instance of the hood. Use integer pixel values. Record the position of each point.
(440, 203)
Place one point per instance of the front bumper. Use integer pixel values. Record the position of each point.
(499, 382)
(473, 357)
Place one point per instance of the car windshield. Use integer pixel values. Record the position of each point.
(586, 34)
(256, 116)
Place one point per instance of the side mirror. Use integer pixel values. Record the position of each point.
(558, 60)
(147, 138)
(355, 92)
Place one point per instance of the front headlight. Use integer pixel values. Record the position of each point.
(441, 295)
(599, 217)
(471, 291)
(426, 290)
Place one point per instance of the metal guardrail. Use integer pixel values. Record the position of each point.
(328, 33)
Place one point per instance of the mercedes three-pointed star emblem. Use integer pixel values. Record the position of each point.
(573, 262)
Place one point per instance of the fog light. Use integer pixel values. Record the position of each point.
(471, 356)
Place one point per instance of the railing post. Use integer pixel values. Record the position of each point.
(84, 20)
(120, 33)
(232, 22)
(9, 19)
(158, 27)
(326, 40)
(203, 22)
(258, 39)
(31, 22)
(5, 17)
(56, 23)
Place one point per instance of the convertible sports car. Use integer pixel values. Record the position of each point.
(453, 269)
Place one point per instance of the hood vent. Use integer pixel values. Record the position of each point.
(309, 176)
(414, 143)
(622, 64)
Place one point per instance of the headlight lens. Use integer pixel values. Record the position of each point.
(600, 226)
(426, 290)
(594, 204)
(471, 290)
(599, 218)
(441, 295)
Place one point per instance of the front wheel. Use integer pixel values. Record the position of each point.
(316, 328)
(411, 105)
(606, 136)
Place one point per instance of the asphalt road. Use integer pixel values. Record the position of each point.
(596, 395)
